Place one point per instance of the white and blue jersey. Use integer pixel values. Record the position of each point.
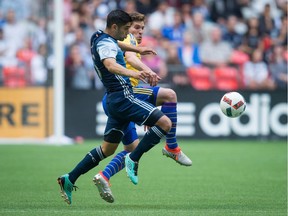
(104, 46)
(122, 106)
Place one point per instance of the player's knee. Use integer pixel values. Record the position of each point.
(113, 136)
(131, 146)
(108, 148)
(170, 96)
(165, 123)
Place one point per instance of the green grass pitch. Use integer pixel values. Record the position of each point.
(226, 178)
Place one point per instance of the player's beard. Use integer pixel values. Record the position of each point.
(122, 35)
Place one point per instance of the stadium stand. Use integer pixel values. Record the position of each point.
(245, 25)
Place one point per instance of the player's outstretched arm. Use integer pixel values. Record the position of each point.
(141, 50)
(115, 68)
(136, 63)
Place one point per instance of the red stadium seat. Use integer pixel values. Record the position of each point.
(25, 55)
(226, 78)
(200, 78)
(239, 57)
(14, 77)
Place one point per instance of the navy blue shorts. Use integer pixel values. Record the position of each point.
(129, 130)
(123, 110)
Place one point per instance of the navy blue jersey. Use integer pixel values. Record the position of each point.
(104, 46)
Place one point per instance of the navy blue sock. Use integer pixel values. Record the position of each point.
(90, 161)
(150, 139)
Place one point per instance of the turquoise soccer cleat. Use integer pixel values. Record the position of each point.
(131, 169)
(66, 188)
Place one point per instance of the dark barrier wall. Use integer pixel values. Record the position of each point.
(199, 115)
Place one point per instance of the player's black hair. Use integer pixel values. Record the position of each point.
(118, 17)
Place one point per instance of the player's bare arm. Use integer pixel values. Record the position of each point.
(113, 67)
(135, 62)
(140, 50)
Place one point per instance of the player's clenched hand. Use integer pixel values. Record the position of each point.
(153, 79)
(147, 51)
(142, 75)
(147, 77)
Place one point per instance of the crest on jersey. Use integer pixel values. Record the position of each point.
(132, 40)
(105, 52)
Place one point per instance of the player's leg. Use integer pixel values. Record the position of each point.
(101, 179)
(116, 164)
(145, 113)
(167, 98)
(130, 141)
(112, 137)
(90, 161)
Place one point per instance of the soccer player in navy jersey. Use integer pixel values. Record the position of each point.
(156, 95)
(122, 106)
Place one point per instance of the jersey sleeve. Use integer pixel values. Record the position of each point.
(107, 49)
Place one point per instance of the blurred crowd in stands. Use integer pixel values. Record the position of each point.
(206, 44)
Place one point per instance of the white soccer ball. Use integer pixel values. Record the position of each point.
(233, 104)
